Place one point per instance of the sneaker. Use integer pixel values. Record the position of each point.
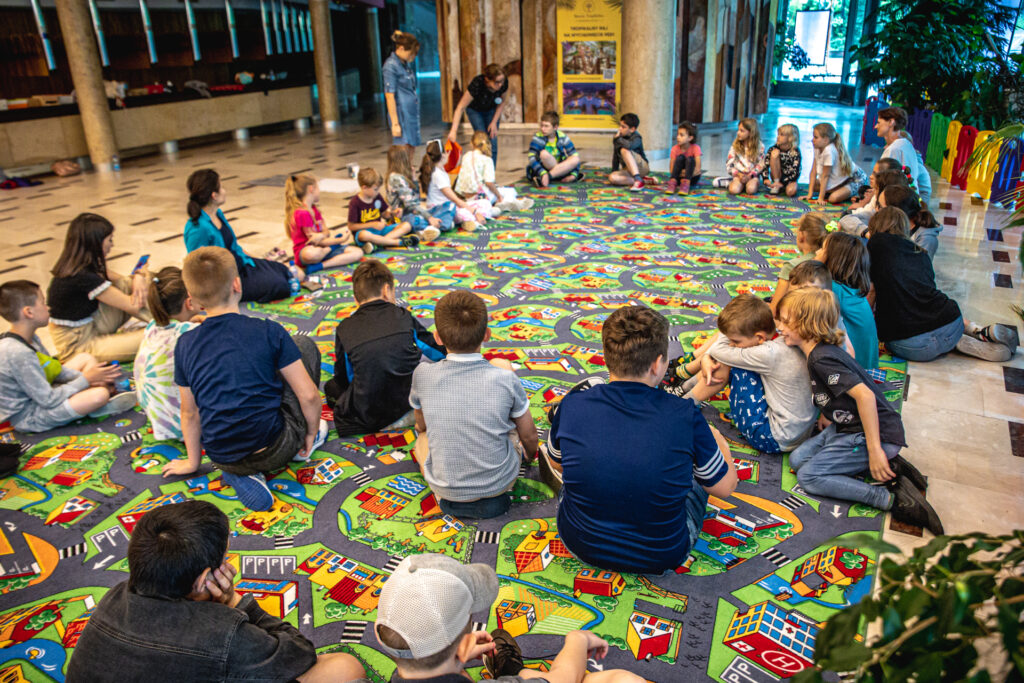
(1000, 334)
(524, 204)
(583, 385)
(468, 226)
(548, 474)
(636, 186)
(367, 248)
(117, 404)
(538, 182)
(321, 438)
(574, 177)
(251, 490)
(774, 190)
(506, 659)
(985, 350)
(410, 241)
(429, 234)
(910, 507)
(312, 284)
(684, 186)
(671, 186)
(903, 468)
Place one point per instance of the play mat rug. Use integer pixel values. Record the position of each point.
(770, 565)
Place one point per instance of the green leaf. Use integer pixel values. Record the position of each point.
(848, 657)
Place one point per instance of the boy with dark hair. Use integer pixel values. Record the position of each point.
(628, 153)
(552, 156)
(423, 622)
(37, 392)
(684, 160)
(472, 417)
(376, 350)
(374, 223)
(768, 397)
(178, 617)
(629, 441)
(248, 391)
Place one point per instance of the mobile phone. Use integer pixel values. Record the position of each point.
(143, 260)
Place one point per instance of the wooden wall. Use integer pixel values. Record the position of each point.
(519, 36)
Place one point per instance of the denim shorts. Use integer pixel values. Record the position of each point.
(484, 508)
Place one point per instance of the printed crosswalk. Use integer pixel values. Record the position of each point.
(486, 537)
(775, 557)
(353, 631)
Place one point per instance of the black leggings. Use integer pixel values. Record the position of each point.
(264, 280)
(684, 167)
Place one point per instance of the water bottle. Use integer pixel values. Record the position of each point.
(115, 162)
(294, 281)
(124, 383)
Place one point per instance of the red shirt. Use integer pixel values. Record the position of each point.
(305, 222)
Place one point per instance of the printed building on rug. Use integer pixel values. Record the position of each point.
(649, 636)
(771, 637)
(835, 566)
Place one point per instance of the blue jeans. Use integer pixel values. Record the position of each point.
(485, 508)
(480, 120)
(830, 464)
(930, 345)
(446, 214)
(749, 410)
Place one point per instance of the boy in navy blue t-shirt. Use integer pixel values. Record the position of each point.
(249, 392)
(637, 463)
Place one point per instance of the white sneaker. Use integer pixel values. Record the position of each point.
(117, 404)
(429, 234)
(525, 204)
(321, 438)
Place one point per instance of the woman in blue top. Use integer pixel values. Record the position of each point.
(262, 280)
(400, 91)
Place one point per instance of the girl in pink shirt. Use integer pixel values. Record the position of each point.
(312, 246)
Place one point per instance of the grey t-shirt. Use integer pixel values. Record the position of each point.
(469, 406)
(23, 381)
(787, 385)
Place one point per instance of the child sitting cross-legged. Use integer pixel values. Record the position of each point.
(38, 393)
(403, 193)
(372, 221)
(768, 397)
(552, 156)
(629, 441)
(472, 416)
(629, 162)
(476, 179)
(864, 432)
(249, 393)
(179, 618)
(376, 349)
(312, 245)
(423, 623)
(810, 233)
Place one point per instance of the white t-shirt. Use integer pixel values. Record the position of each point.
(902, 150)
(438, 181)
(829, 157)
(476, 169)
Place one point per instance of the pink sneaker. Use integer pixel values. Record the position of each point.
(637, 186)
(670, 187)
(684, 186)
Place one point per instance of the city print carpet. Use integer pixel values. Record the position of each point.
(770, 565)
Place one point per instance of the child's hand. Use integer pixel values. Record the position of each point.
(177, 468)
(878, 463)
(821, 200)
(434, 222)
(221, 587)
(708, 366)
(597, 647)
(102, 375)
(475, 644)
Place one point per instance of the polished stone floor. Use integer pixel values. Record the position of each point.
(964, 418)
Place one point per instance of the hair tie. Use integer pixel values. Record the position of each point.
(832, 226)
(156, 279)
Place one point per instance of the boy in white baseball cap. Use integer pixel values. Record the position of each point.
(423, 621)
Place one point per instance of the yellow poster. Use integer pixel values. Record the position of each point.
(589, 34)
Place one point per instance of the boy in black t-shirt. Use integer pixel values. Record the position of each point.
(629, 163)
(372, 221)
(864, 431)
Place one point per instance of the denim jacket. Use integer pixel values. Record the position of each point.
(132, 637)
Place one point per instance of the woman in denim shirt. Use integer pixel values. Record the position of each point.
(400, 91)
(262, 280)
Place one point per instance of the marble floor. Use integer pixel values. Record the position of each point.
(964, 418)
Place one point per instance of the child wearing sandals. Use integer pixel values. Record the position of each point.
(684, 160)
(173, 312)
(783, 168)
(401, 191)
(835, 178)
(746, 158)
(437, 185)
(312, 246)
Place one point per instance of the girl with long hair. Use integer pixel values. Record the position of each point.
(746, 158)
(847, 261)
(89, 303)
(401, 191)
(312, 245)
(437, 185)
(834, 177)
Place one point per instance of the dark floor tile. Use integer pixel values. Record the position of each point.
(945, 206)
(143, 222)
(1000, 256)
(25, 256)
(29, 244)
(949, 220)
(235, 208)
(12, 268)
(246, 234)
(170, 237)
(1002, 280)
(114, 258)
(1017, 438)
(994, 235)
(1013, 379)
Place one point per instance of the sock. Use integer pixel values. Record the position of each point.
(973, 328)
(638, 178)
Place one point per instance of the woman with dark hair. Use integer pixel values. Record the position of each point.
(262, 280)
(924, 229)
(89, 302)
(400, 94)
(483, 103)
(915, 320)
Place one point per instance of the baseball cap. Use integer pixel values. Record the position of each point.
(428, 600)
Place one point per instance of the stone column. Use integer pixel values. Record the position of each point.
(373, 42)
(648, 39)
(323, 59)
(87, 75)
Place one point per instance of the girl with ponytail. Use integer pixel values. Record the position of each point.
(834, 177)
(154, 364)
(262, 280)
(312, 246)
(924, 229)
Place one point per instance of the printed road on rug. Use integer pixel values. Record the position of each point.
(770, 565)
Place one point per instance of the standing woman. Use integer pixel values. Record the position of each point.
(262, 280)
(483, 101)
(400, 91)
(89, 302)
